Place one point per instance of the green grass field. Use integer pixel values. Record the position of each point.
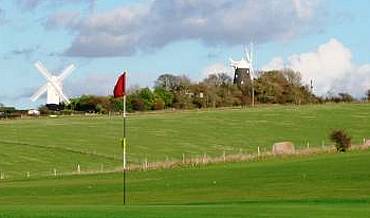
(327, 185)
(39, 146)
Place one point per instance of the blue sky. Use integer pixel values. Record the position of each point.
(328, 41)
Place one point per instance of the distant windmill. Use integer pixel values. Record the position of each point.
(54, 86)
(244, 69)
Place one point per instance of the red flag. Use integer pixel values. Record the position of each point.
(120, 88)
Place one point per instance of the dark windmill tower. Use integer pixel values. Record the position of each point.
(244, 70)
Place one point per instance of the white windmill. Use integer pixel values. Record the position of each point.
(244, 68)
(246, 62)
(54, 85)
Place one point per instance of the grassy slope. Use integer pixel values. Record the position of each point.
(330, 185)
(40, 145)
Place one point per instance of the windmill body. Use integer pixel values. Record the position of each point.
(54, 86)
(244, 68)
(52, 96)
(244, 72)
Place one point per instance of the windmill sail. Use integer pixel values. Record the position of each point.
(54, 87)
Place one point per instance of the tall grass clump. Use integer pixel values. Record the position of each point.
(341, 139)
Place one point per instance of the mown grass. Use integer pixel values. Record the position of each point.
(275, 209)
(40, 145)
(327, 185)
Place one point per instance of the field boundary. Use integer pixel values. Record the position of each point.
(200, 161)
(192, 161)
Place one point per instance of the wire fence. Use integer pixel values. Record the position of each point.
(191, 160)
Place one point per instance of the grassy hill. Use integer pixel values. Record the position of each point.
(327, 185)
(38, 146)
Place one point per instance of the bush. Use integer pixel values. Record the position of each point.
(158, 104)
(138, 104)
(342, 140)
(44, 110)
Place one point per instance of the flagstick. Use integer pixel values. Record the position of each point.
(124, 150)
(124, 147)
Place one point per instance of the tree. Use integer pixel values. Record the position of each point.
(272, 87)
(217, 90)
(219, 79)
(294, 78)
(91, 103)
(368, 95)
(166, 81)
(183, 85)
(165, 95)
(158, 104)
(173, 83)
(182, 101)
(44, 110)
(345, 97)
(211, 80)
(137, 104)
(147, 96)
(282, 87)
(116, 104)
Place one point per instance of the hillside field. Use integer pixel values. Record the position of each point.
(38, 146)
(323, 185)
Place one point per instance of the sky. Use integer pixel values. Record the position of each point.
(327, 41)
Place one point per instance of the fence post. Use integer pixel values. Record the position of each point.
(78, 169)
(55, 172)
(224, 156)
(258, 152)
(101, 167)
(183, 158)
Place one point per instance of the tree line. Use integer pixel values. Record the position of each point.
(217, 90)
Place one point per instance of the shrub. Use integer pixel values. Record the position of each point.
(44, 110)
(342, 140)
(158, 104)
(138, 104)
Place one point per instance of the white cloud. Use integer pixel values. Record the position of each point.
(305, 9)
(155, 24)
(275, 63)
(330, 67)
